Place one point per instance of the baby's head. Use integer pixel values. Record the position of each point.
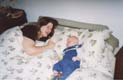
(72, 40)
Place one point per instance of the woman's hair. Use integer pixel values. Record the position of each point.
(31, 30)
(44, 21)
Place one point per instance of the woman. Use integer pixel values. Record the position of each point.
(44, 29)
(19, 57)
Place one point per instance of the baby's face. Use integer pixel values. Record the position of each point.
(71, 41)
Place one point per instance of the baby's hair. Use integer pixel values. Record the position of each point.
(74, 37)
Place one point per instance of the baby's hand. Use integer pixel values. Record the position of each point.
(76, 58)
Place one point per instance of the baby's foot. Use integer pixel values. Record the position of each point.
(55, 73)
(59, 74)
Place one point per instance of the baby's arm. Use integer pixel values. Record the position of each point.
(76, 58)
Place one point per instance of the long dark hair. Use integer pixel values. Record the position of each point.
(31, 30)
(44, 21)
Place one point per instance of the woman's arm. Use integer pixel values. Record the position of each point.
(30, 48)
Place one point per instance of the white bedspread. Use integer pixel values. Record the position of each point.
(15, 64)
(88, 74)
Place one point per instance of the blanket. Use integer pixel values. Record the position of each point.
(15, 64)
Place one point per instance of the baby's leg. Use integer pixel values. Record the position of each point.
(57, 69)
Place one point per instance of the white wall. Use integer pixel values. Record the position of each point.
(107, 12)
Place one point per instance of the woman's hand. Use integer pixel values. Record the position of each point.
(50, 44)
(32, 50)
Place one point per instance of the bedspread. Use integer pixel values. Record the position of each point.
(88, 74)
(96, 55)
(15, 64)
(97, 59)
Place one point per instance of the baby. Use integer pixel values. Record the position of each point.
(70, 60)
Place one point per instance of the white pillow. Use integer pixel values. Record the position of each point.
(60, 37)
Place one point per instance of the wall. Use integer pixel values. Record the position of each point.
(107, 12)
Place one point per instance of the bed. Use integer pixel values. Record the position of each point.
(96, 54)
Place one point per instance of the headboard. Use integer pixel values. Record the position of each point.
(113, 41)
(75, 24)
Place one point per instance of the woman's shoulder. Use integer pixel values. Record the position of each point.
(27, 40)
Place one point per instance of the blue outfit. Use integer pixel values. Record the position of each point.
(67, 65)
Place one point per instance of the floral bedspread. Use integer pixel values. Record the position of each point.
(15, 64)
(97, 60)
(96, 55)
(88, 74)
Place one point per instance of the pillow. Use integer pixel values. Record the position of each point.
(61, 36)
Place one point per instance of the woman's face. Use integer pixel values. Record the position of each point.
(46, 29)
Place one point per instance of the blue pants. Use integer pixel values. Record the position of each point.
(66, 67)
